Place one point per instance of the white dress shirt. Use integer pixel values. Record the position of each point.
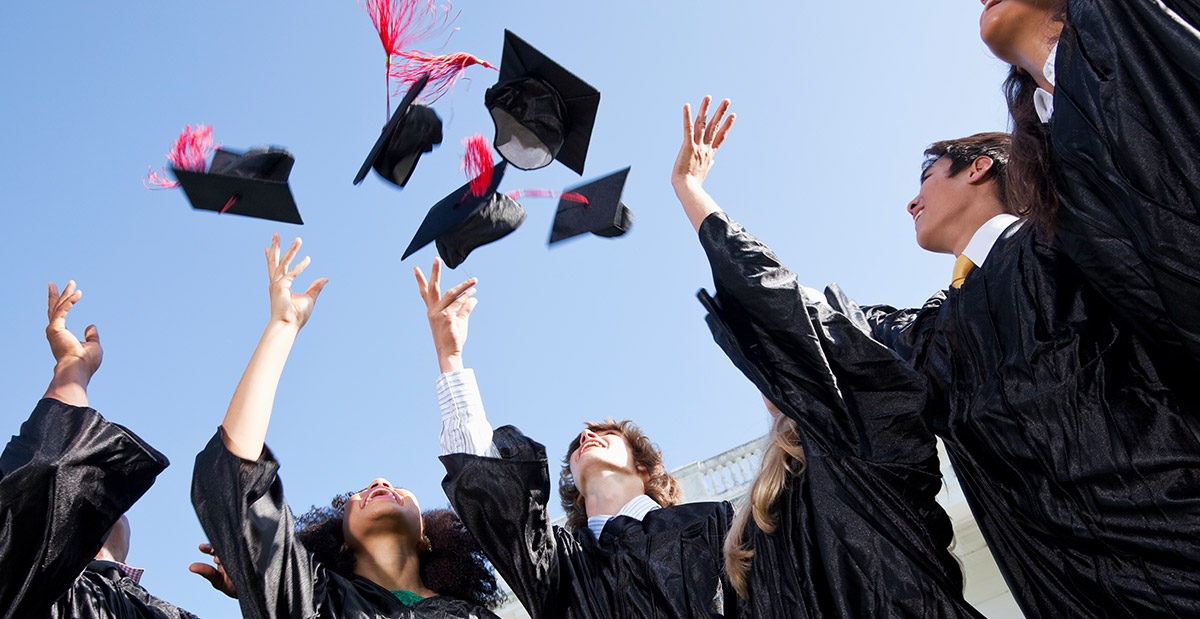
(1043, 100)
(981, 242)
(465, 429)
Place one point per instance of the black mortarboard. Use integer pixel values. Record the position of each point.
(604, 214)
(542, 111)
(413, 129)
(253, 184)
(462, 221)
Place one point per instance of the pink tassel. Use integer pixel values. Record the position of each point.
(404, 23)
(478, 163)
(570, 196)
(190, 152)
(443, 71)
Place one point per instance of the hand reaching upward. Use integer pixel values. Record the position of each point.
(65, 347)
(701, 139)
(448, 314)
(286, 306)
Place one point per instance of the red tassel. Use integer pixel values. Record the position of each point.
(190, 152)
(404, 23)
(443, 71)
(478, 163)
(570, 196)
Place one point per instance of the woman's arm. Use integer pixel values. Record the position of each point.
(249, 414)
(701, 139)
(74, 361)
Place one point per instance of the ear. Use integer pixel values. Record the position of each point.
(977, 173)
(644, 473)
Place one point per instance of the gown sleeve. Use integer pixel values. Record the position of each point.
(1125, 132)
(64, 481)
(502, 502)
(798, 347)
(242, 510)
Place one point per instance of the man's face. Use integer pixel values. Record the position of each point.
(606, 451)
(939, 210)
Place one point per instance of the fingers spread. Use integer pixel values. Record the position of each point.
(299, 268)
(716, 120)
(422, 284)
(701, 118)
(724, 131)
(273, 254)
(286, 261)
(468, 307)
(687, 121)
(454, 292)
(435, 280)
(52, 301)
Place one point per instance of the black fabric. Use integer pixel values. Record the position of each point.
(420, 131)
(1064, 368)
(243, 512)
(603, 214)
(533, 104)
(665, 566)
(64, 481)
(268, 164)
(859, 532)
(103, 592)
(496, 219)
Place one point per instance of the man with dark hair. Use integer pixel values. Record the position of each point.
(628, 550)
(1072, 430)
(65, 483)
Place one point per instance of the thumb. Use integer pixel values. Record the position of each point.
(316, 287)
(92, 334)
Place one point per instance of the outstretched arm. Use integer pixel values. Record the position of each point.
(74, 361)
(701, 139)
(246, 421)
(448, 314)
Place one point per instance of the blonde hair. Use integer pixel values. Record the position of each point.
(783, 458)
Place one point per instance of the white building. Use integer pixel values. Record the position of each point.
(727, 477)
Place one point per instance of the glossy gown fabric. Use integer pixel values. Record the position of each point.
(242, 510)
(64, 481)
(859, 532)
(666, 566)
(1064, 367)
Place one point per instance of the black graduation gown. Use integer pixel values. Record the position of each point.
(242, 511)
(1064, 368)
(102, 591)
(666, 566)
(64, 481)
(859, 532)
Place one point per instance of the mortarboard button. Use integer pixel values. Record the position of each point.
(603, 214)
(462, 221)
(542, 112)
(413, 129)
(253, 184)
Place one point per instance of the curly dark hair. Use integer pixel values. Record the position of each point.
(454, 566)
(1031, 189)
(661, 487)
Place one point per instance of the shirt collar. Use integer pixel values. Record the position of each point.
(1043, 100)
(636, 508)
(132, 573)
(981, 242)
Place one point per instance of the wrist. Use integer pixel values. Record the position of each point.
(450, 362)
(277, 326)
(75, 369)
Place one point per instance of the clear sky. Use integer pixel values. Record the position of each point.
(835, 103)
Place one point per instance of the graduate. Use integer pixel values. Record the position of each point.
(1064, 363)
(66, 482)
(371, 555)
(842, 520)
(628, 550)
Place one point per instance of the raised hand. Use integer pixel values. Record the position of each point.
(448, 314)
(65, 347)
(214, 574)
(286, 306)
(701, 139)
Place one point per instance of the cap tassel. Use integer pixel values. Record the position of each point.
(570, 196)
(404, 23)
(444, 71)
(478, 163)
(190, 152)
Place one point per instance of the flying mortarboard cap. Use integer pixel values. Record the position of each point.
(462, 221)
(253, 184)
(413, 129)
(542, 111)
(603, 214)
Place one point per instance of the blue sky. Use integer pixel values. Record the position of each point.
(835, 103)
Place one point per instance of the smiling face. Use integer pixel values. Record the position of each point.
(597, 453)
(381, 509)
(1009, 26)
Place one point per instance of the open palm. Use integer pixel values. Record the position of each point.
(287, 306)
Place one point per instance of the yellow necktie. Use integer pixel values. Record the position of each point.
(962, 266)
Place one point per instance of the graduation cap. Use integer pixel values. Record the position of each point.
(414, 129)
(463, 221)
(253, 184)
(603, 214)
(542, 111)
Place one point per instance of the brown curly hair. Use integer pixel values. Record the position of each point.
(453, 566)
(661, 487)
